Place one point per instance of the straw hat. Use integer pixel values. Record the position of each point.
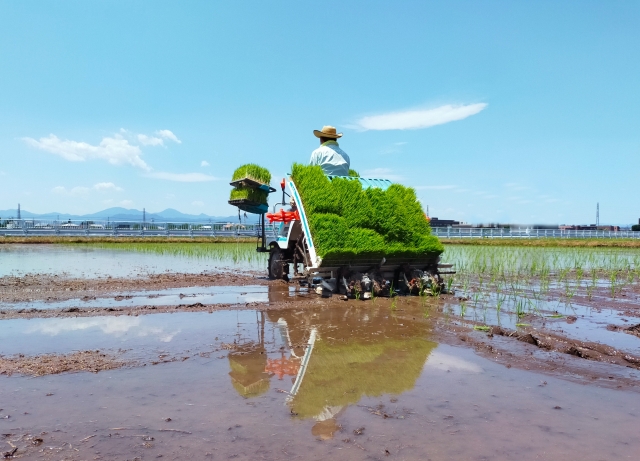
(327, 132)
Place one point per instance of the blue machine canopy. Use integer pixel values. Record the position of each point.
(367, 182)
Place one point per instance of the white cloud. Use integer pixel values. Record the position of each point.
(182, 177)
(198, 203)
(381, 173)
(166, 134)
(150, 140)
(447, 362)
(106, 186)
(204, 163)
(435, 187)
(115, 326)
(415, 119)
(116, 150)
(126, 203)
(75, 191)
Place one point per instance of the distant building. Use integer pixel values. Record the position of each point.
(435, 222)
(589, 227)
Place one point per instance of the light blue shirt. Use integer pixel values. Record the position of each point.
(333, 160)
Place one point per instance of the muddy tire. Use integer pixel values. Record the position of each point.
(278, 269)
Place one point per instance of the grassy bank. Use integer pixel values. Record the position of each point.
(46, 239)
(502, 242)
(545, 242)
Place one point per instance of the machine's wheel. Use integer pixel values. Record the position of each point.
(278, 269)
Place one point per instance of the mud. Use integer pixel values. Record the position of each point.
(632, 330)
(130, 368)
(14, 289)
(50, 364)
(379, 385)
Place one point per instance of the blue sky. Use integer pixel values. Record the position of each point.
(494, 111)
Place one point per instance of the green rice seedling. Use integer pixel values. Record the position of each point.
(435, 290)
(613, 278)
(255, 195)
(463, 309)
(499, 302)
(476, 298)
(234, 252)
(450, 283)
(481, 327)
(520, 325)
(348, 222)
(394, 298)
(252, 171)
(533, 307)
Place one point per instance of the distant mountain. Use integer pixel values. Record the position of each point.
(124, 214)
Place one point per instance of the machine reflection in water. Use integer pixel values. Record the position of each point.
(333, 356)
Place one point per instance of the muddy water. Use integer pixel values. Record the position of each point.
(376, 384)
(88, 262)
(403, 379)
(168, 297)
(573, 320)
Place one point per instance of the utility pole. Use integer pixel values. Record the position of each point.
(19, 212)
(597, 214)
(427, 211)
(144, 215)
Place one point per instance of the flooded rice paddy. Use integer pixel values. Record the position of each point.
(126, 260)
(531, 357)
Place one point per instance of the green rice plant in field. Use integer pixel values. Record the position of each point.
(234, 252)
(255, 195)
(349, 222)
(520, 308)
(541, 262)
(354, 173)
(450, 282)
(252, 171)
(613, 278)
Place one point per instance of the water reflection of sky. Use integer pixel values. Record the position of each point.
(167, 297)
(358, 353)
(117, 327)
(76, 261)
(172, 332)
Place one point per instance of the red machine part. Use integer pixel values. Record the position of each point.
(283, 366)
(283, 216)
